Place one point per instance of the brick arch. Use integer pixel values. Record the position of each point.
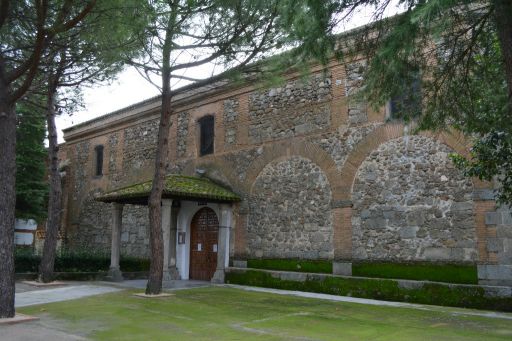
(296, 147)
(387, 132)
(453, 139)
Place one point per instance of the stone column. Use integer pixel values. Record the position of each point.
(114, 273)
(223, 244)
(166, 235)
(173, 273)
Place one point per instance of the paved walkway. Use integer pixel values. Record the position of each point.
(27, 295)
(66, 293)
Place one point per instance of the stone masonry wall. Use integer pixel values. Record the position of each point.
(286, 111)
(341, 142)
(135, 231)
(357, 109)
(181, 148)
(499, 247)
(290, 214)
(410, 203)
(231, 108)
(80, 168)
(94, 232)
(140, 145)
(114, 173)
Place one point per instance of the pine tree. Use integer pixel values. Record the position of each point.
(31, 184)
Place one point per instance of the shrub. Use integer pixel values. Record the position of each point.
(78, 261)
(315, 266)
(437, 272)
(382, 289)
(450, 273)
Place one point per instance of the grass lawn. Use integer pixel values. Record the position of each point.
(230, 314)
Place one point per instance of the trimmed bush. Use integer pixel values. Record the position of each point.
(449, 273)
(382, 289)
(315, 266)
(78, 261)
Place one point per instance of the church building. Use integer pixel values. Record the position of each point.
(303, 170)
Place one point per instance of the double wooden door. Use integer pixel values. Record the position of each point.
(204, 235)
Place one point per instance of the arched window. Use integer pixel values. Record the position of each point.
(98, 160)
(206, 134)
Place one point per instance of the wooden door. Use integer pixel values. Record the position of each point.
(204, 232)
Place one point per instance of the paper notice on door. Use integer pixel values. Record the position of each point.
(214, 247)
(199, 247)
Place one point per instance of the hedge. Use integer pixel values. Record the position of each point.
(78, 261)
(437, 272)
(449, 273)
(314, 266)
(381, 289)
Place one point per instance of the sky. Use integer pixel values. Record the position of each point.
(130, 87)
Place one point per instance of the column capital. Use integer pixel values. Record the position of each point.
(166, 202)
(225, 207)
(117, 206)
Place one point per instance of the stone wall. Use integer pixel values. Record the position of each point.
(357, 109)
(410, 203)
(140, 146)
(80, 168)
(182, 134)
(499, 246)
(241, 160)
(115, 174)
(341, 142)
(94, 231)
(231, 113)
(135, 231)
(290, 213)
(290, 110)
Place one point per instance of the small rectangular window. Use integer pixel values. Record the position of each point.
(408, 104)
(99, 160)
(206, 136)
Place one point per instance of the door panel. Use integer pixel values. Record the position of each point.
(204, 232)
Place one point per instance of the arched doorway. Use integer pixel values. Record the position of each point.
(204, 232)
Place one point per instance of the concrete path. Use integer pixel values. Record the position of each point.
(66, 293)
(452, 310)
(37, 331)
(172, 285)
(27, 295)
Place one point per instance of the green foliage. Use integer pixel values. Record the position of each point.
(31, 184)
(78, 261)
(450, 273)
(300, 265)
(491, 156)
(382, 289)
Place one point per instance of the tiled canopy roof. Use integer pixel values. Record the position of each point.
(175, 187)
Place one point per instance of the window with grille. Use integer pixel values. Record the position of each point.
(99, 160)
(206, 135)
(408, 104)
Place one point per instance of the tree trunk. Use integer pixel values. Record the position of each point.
(54, 200)
(7, 199)
(154, 285)
(503, 15)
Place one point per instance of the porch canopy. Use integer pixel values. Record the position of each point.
(176, 188)
(180, 187)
